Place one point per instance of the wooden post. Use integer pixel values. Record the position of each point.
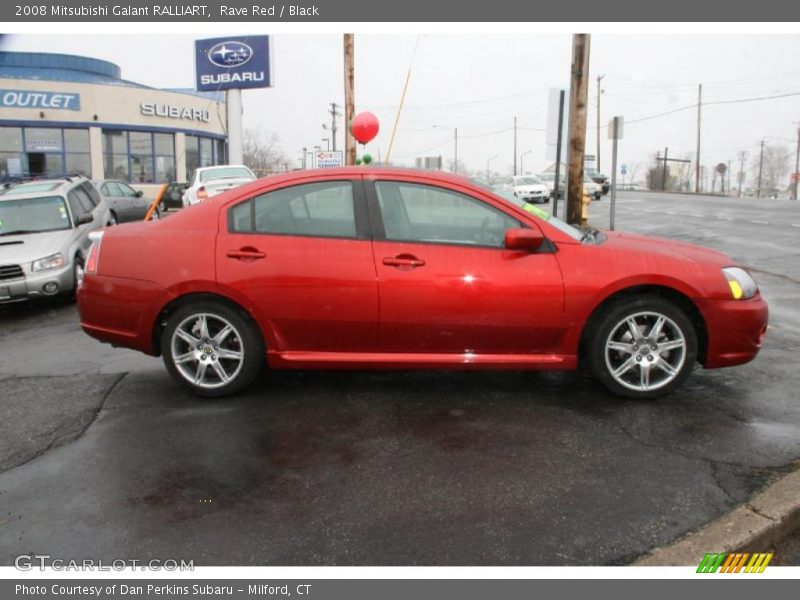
(349, 100)
(578, 96)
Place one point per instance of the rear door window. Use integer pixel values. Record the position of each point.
(324, 209)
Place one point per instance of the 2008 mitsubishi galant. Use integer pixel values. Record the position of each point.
(387, 268)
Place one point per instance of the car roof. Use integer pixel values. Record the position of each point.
(39, 187)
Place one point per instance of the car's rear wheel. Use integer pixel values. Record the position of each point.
(113, 219)
(212, 349)
(643, 348)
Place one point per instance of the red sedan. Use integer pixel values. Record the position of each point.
(387, 268)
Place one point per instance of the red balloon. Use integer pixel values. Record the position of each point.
(364, 127)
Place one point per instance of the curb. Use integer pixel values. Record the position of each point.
(756, 525)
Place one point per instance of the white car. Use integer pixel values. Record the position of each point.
(528, 188)
(594, 190)
(210, 181)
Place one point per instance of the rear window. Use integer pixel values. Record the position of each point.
(33, 215)
(226, 173)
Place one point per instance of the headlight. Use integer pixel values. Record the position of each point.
(742, 285)
(48, 262)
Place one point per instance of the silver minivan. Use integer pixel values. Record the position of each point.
(44, 236)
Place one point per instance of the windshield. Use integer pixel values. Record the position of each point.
(527, 180)
(33, 215)
(571, 231)
(226, 173)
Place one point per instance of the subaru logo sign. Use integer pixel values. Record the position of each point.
(230, 54)
(233, 63)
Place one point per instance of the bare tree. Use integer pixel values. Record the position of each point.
(777, 161)
(262, 152)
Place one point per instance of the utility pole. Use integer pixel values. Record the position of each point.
(796, 166)
(664, 171)
(349, 99)
(760, 168)
(742, 156)
(599, 91)
(515, 146)
(578, 96)
(335, 114)
(697, 167)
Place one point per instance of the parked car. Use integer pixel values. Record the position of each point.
(210, 181)
(600, 179)
(389, 268)
(44, 236)
(124, 203)
(592, 189)
(172, 195)
(549, 179)
(528, 187)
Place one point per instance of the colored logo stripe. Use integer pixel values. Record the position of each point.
(735, 562)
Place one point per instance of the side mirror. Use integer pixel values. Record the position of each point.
(84, 219)
(139, 193)
(524, 239)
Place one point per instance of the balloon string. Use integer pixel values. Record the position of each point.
(402, 101)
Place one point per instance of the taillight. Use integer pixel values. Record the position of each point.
(202, 194)
(93, 258)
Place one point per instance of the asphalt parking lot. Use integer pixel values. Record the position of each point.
(103, 456)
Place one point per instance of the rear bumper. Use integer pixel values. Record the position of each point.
(736, 330)
(120, 312)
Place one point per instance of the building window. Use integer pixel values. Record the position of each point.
(141, 147)
(115, 155)
(12, 158)
(203, 152)
(164, 145)
(76, 152)
(139, 156)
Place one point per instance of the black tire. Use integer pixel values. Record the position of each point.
(162, 206)
(113, 219)
(610, 327)
(249, 343)
(77, 272)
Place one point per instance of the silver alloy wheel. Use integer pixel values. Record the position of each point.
(207, 350)
(645, 351)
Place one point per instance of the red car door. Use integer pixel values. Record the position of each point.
(448, 285)
(302, 256)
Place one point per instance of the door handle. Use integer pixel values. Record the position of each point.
(246, 254)
(403, 260)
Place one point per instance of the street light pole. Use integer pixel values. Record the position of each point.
(796, 164)
(599, 91)
(521, 167)
(760, 168)
(488, 160)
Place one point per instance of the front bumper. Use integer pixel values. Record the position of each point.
(736, 330)
(32, 285)
(534, 196)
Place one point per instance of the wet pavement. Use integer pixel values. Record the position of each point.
(431, 468)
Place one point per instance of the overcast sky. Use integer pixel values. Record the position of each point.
(478, 83)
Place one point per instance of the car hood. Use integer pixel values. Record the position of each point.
(18, 249)
(680, 250)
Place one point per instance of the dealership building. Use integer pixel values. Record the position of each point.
(62, 114)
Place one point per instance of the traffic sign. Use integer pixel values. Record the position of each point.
(624, 169)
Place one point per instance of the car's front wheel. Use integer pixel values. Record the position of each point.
(643, 348)
(212, 349)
